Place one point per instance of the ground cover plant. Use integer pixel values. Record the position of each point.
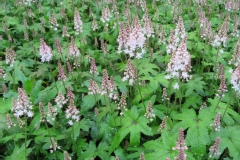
(134, 79)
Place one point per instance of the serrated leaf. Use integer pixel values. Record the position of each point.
(229, 139)
(36, 89)
(160, 78)
(197, 135)
(161, 148)
(5, 105)
(88, 102)
(133, 125)
(230, 116)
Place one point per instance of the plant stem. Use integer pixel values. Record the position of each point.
(110, 109)
(180, 94)
(73, 137)
(218, 101)
(25, 137)
(45, 121)
(53, 77)
(139, 88)
(228, 104)
(141, 96)
(65, 86)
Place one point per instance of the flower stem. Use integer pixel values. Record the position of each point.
(45, 121)
(25, 137)
(228, 104)
(53, 77)
(111, 110)
(218, 101)
(73, 138)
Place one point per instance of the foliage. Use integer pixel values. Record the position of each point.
(141, 109)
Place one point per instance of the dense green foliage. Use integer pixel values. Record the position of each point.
(147, 123)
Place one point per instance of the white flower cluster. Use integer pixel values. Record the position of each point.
(172, 43)
(221, 37)
(10, 56)
(130, 73)
(22, 106)
(131, 41)
(60, 100)
(106, 14)
(235, 80)
(180, 63)
(45, 51)
(53, 147)
(218, 40)
(72, 113)
(77, 22)
(135, 43)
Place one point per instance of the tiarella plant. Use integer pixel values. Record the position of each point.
(119, 80)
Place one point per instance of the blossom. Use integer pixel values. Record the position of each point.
(221, 37)
(23, 105)
(136, 40)
(180, 63)
(72, 49)
(235, 79)
(130, 73)
(53, 147)
(181, 145)
(149, 112)
(60, 100)
(45, 51)
(176, 86)
(217, 122)
(106, 14)
(72, 113)
(77, 22)
(122, 104)
(10, 56)
(93, 87)
(214, 150)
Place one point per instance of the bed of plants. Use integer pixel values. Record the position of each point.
(136, 79)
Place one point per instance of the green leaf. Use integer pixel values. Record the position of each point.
(3, 125)
(195, 84)
(5, 105)
(197, 135)
(19, 153)
(162, 80)
(91, 151)
(28, 85)
(229, 139)
(230, 116)
(133, 125)
(88, 102)
(36, 89)
(161, 148)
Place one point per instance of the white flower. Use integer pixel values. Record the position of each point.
(176, 86)
(70, 122)
(45, 51)
(235, 80)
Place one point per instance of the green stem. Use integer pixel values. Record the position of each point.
(141, 96)
(73, 137)
(228, 104)
(25, 137)
(139, 88)
(175, 100)
(111, 110)
(53, 77)
(64, 86)
(219, 101)
(180, 94)
(45, 121)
